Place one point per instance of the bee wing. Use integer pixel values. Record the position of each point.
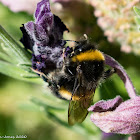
(78, 110)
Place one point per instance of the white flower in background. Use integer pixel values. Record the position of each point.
(21, 5)
(25, 5)
(117, 20)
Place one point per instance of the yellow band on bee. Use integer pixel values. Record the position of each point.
(89, 56)
(67, 95)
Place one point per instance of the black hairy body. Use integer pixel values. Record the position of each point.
(83, 68)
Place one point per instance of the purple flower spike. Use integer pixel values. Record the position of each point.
(125, 119)
(48, 29)
(44, 38)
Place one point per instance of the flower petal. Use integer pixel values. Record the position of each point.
(112, 136)
(42, 8)
(122, 74)
(26, 40)
(124, 120)
(103, 106)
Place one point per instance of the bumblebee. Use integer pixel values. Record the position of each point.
(83, 69)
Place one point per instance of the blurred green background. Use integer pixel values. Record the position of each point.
(22, 104)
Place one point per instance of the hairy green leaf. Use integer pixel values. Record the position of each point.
(137, 10)
(9, 46)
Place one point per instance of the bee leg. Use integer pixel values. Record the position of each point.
(75, 87)
(44, 78)
(41, 74)
(109, 73)
(77, 82)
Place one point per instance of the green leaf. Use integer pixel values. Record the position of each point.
(18, 73)
(15, 60)
(137, 19)
(10, 47)
(51, 113)
(4, 56)
(137, 10)
(45, 105)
